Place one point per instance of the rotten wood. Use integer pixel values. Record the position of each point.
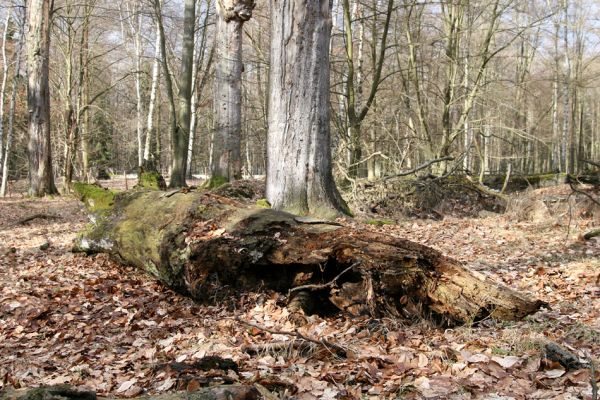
(209, 247)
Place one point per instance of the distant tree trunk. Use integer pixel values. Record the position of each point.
(299, 175)
(199, 86)
(11, 116)
(41, 179)
(226, 147)
(3, 85)
(149, 154)
(84, 59)
(167, 76)
(182, 128)
(135, 25)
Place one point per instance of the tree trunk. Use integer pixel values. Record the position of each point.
(180, 135)
(11, 116)
(299, 176)
(149, 154)
(208, 246)
(41, 179)
(3, 85)
(226, 146)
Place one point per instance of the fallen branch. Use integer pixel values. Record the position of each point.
(327, 285)
(32, 217)
(563, 356)
(417, 168)
(277, 347)
(594, 163)
(583, 192)
(332, 347)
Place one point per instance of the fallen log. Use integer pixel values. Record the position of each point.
(66, 392)
(208, 246)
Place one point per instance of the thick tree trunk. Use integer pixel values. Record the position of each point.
(226, 161)
(299, 177)
(41, 179)
(204, 245)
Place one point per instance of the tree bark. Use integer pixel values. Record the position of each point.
(299, 176)
(204, 245)
(3, 85)
(41, 179)
(181, 133)
(226, 161)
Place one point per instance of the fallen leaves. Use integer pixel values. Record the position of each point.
(80, 320)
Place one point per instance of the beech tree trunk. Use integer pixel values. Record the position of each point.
(226, 161)
(299, 176)
(41, 179)
(208, 246)
(182, 129)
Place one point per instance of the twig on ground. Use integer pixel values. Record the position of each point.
(276, 347)
(332, 347)
(323, 285)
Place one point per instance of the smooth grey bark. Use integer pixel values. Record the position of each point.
(148, 153)
(299, 170)
(180, 135)
(226, 162)
(41, 179)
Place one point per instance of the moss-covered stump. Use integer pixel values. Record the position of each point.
(206, 246)
(150, 178)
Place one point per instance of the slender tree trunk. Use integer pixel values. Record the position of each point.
(299, 175)
(85, 95)
(199, 53)
(168, 80)
(41, 178)
(135, 25)
(226, 147)
(149, 155)
(182, 130)
(3, 85)
(11, 117)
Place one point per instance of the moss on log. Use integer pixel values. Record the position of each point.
(203, 245)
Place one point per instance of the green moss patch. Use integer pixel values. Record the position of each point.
(263, 203)
(152, 180)
(215, 182)
(96, 198)
(380, 222)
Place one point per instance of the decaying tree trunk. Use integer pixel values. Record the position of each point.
(203, 245)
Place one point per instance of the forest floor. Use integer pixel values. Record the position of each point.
(88, 321)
